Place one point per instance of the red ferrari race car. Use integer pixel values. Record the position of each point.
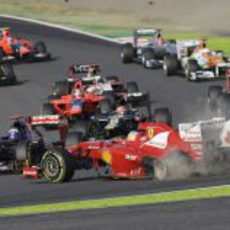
(77, 105)
(87, 79)
(19, 49)
(155, 150)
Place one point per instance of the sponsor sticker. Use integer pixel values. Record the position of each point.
(159, 141)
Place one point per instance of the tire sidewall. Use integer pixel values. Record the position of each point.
(60, 175)
(160, 170)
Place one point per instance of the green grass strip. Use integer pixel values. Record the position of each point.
(156, 198)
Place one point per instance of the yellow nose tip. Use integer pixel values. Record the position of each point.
(107, 157)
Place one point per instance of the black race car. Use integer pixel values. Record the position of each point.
(148, 48)
(24, 141)
(110, 122)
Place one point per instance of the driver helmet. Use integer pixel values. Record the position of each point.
(77, 93)
(14, 134)
(202, 43)
(92, 71)
(135, 135)
(6, 32)
(120, 109)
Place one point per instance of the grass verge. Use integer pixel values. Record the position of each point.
(174, 196)
(107, 22)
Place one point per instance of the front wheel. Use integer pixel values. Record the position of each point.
(127, 53)
(170, 65)
(191, 68)
(58, 165)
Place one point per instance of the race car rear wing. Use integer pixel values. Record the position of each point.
(84, 68)
(145, 32)
(46, 120)
(202, 131)
(138, 99)
(51, 122)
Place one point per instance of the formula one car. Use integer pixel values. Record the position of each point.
(19, 49)
(25, 140)
(79, 76)
(114, 123)
(74, 106)
(86, 79)
(81, 105)
(153, 150)
(213, 134)
(148, 48)
(20, 132)
(7, 75)
(82, 71)
(109, 123)
(192, 58)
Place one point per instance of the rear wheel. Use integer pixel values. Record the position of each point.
(132, 87)
(7, 71)
(170, 65)
(213, 159)
(47, 109)
(105, 106)
(176, 165)
(213, 94)
(58, 165)
(160, 170)
(127, 53)
(40, 47)
(223, 105)
(163, 115)
(60, 88)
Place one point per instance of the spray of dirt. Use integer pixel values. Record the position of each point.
(178, 166)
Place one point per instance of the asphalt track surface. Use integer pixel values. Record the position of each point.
(187, 101)
(200, 215)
